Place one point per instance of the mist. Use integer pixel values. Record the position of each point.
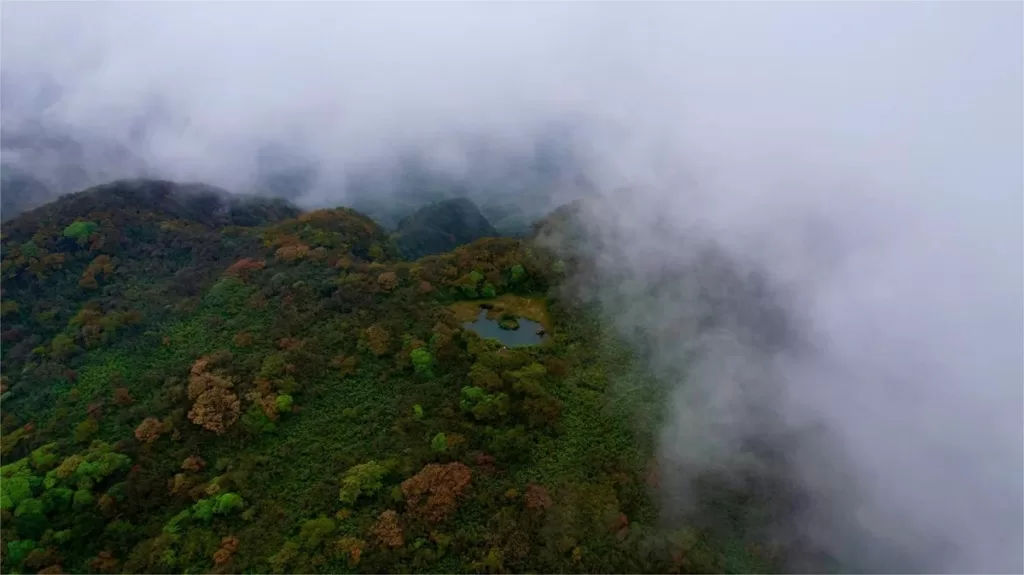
(861, 161)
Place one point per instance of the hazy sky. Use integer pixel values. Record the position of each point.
(897, 126)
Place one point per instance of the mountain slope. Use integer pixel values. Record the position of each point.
(293, 397)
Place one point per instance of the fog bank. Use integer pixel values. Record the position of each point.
(865, 158)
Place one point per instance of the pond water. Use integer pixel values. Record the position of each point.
(525, 335)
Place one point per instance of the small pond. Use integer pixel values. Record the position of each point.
(525, 335)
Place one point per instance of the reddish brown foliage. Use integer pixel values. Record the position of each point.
(292, 253)
(347, 365)
(352, 547)
(245, 268)
(377, 339)
(216, 408)
(537, 497)
(266, 402)
(434, 492)
(243, 339)
(228, 546)
(105, 562)
(289, 343)
(425, 287)
(149, 430)
(95, 410)
(387, 281)
(193, 463)
(101, 265)
(387, 530)
(123, 397)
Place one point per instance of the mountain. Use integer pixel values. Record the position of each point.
(40, 162)
(196, 382)
(441, 227)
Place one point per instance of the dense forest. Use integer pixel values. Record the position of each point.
(195, 382)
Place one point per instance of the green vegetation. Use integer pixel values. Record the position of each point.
(268, 391)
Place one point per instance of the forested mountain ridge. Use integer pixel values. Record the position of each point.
(440, 227)
(193, 382)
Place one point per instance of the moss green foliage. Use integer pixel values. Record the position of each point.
(283, 402)
(364, 479)
(439, 443)
(257, 390)
(422, 362)
(78, 230)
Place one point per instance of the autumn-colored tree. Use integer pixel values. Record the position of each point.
(193, 463)
(377, 339)
(245, 268)
(268, 403)
(433, 493)
(228, 546)
(216, 408)
(537, 497)
(104, 562)
(387, 530)
(101, 265)
(291, 253)
(351, 548)
(387, 281)
(95, 410)
(123, 397)
(149, 430)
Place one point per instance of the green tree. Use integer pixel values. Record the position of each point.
(83, 498)
(85, 430)
(518, 273)
(315, 532)
(18, 550)
(283, 402)
(439, 443)
(363, 479)
(422, 362)
(80, 230)
(225, 503)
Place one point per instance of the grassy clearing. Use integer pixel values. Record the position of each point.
(531, 308)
